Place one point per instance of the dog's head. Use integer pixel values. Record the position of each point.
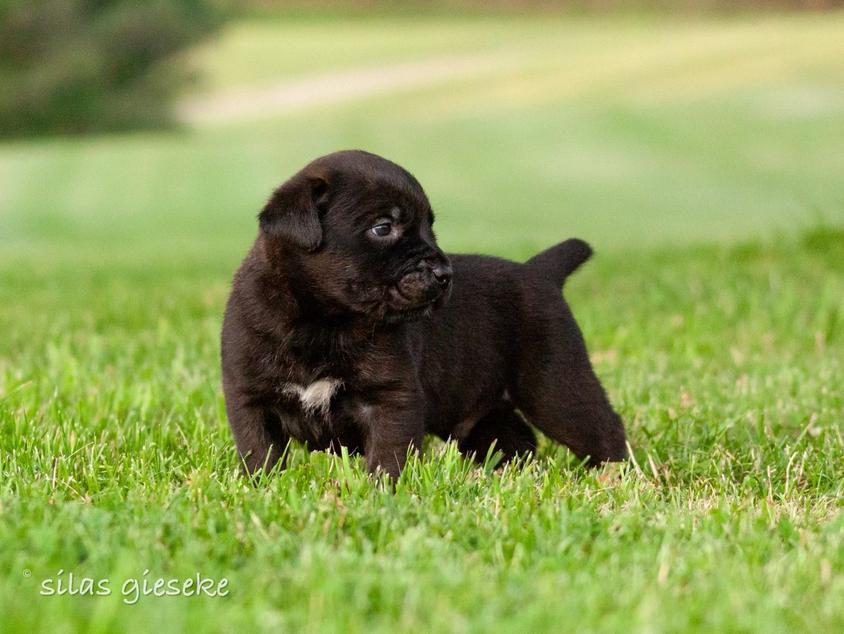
(352, 233)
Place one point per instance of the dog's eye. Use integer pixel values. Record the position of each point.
(382, 229)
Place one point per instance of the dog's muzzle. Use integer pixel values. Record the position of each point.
(427, 284)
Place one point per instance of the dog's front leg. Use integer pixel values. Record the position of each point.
(391, 432)
(257, 433)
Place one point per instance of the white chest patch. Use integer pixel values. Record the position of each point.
(315, 397)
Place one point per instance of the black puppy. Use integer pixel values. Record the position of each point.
(338, 331)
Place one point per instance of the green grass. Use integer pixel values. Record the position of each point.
(701, 159)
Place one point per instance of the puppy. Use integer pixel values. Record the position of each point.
(348, 326)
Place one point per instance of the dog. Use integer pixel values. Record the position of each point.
(347, 326)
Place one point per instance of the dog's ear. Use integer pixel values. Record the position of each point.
(293, 211)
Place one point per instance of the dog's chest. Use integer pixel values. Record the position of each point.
(314, 398)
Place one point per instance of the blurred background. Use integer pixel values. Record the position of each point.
(153, 131)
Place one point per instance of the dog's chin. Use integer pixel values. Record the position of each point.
(408, 314)
(413, 311)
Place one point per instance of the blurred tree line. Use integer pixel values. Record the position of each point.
(75, 66)
(662, 6)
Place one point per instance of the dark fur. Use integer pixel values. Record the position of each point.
(319, 296)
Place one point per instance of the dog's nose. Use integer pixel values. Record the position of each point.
(442, 273)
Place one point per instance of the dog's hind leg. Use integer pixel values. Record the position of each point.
(556, 389)
(503, 426)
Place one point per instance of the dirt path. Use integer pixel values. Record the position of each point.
(331, 88)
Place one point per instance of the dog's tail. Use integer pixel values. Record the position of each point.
(560, 261)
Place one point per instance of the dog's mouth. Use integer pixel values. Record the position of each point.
(417, 290)
(413, 302)
(415, 296)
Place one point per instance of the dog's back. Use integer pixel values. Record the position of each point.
(507, 339)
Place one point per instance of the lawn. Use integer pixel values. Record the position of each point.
(702, 159)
